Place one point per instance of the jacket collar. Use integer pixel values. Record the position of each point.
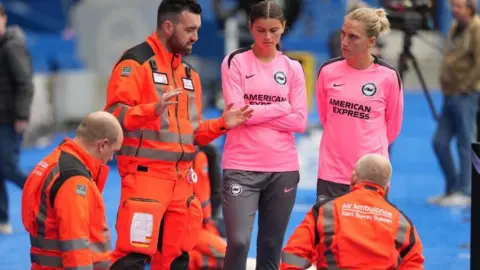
(370, 186)
(161, 51)
(98, 170)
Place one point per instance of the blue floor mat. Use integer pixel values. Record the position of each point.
(416, 176)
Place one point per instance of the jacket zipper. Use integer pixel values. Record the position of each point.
(140, 200)
(98, 174)
(139, 143)
(178, 122)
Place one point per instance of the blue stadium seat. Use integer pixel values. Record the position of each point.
(36, 15)
(311, 32)
(50, 52)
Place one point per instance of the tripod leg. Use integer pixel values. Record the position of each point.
(402, 65)
(424, 87)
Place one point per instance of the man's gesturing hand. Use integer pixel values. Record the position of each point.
(165, 100)
(234, 118)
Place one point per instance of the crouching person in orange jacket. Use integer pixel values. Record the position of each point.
(62, 204)
(360, 230)
(210, 249)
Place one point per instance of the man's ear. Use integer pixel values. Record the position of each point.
(101, 145)
(387, 190)
(168, 27)
(353, 179)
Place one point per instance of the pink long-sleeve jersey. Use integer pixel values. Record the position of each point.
(361, 112)
(276, 91)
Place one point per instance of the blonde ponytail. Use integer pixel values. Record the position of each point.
(383, 20)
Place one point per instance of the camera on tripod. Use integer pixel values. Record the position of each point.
(409, 16)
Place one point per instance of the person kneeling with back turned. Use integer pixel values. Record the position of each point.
(372, 233)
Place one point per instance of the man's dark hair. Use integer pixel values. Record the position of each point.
(169, 9)
(2, 10)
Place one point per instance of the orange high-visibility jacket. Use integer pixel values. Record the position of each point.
(139, 78)
(360, 230)
(63, 211)
(202, 190)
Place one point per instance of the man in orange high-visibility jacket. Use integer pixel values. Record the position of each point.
(62, 204)
(159, 217)
(210, 249)
(360, 230)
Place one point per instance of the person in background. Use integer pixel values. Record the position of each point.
(387, 238)
(215, 177)
(460, 83)
(62, 204)
(210, 249)
(360, 102)
(335, 39)
(16, 94)
(260, 159)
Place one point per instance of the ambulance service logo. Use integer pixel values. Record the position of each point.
(235, 189)
(369, 89)
(280, 77)
(126, 71)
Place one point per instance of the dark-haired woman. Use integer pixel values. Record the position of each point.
(260, 160)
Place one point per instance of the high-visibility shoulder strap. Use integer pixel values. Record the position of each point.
(139, 53)
(315, 212)
(69, 167)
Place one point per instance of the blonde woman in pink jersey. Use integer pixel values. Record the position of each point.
(260, 160)
(360, 102)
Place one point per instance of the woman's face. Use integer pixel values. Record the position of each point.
(267, 32)
(355, 40)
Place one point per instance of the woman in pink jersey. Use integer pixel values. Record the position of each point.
(260, 160)
(360, 102)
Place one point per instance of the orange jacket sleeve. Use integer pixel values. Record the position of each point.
(73, 204)
(123, 95)
(412, 258)
(208, 130)
(300, 248)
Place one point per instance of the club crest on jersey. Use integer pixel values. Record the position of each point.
(236, 189)
(321, 198)
(280, 77)
(369, 89)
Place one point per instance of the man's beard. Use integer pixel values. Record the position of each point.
(177, 48)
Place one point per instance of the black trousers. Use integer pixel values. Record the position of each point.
(328, 190)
